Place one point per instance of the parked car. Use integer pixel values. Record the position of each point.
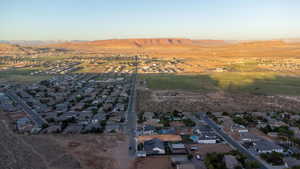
(198, 157)
(193, 148)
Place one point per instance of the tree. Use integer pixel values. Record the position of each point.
(214, 161)
(225, 114)
(266, 129)
(273, 158)
(251, 165)
(188, 122)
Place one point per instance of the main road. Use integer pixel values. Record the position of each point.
(131, 114)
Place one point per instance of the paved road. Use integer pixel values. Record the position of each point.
(131, 116)
(232, 142)
(33, 115)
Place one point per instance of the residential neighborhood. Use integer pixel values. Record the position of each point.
(79, 103)
(71, 102)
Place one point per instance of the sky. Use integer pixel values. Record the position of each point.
(116, 19)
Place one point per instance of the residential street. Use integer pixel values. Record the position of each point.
(33, 115)
(131, 117)
(232, 142)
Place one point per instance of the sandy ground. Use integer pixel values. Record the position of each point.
(107, 151)
(162, 162)
(90, 151)
(203, 149)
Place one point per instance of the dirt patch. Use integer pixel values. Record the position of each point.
(66, 161)
(203, 149)
(153, 163)
(105, 151)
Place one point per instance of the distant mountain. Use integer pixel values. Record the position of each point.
(34, 42)
(14, 50)
(139, 43)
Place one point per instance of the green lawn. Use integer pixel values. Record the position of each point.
(21, 76)
(249, 82)
(54, 58)
(201, 83)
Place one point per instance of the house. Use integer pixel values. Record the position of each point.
(68, 116)
(53, 129)
(205, 135)
(92, 127)
(98, 117)
(84, 115)
(112, 128)
(62, 107)
(207, 139)
(79, 106)
(154, 147)
(107, 107)
(178, 148)
(273, 134)
(275, 123)
(148, 115)
(184, 131)
(246, 136)
(148, 130)
(231, 162)
(24, 124)
(238, 128)
(202, 129)
(73, 129)
(265, 146)
(50, 117)
(204, 139)
(296, 131)
(167, 131)
(177, 124)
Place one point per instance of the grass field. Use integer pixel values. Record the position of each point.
(21, 76)
(54, 58)
(269, 83)
(201, 83)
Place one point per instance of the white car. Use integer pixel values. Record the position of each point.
(198, 157)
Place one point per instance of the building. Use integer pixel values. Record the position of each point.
(178, 148)
(148, 130)
(264, 146)
(246, 136)
(154, 147)
(24, 124)
(207, 139)
(238, 128)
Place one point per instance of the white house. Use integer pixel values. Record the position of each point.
(238, 128)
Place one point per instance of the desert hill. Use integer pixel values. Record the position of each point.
(165, 43)
(140, 43)
(17, 50)
(163, 47)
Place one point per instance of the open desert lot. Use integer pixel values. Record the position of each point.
(62, 151)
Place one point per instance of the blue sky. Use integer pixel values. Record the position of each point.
(108, 19)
